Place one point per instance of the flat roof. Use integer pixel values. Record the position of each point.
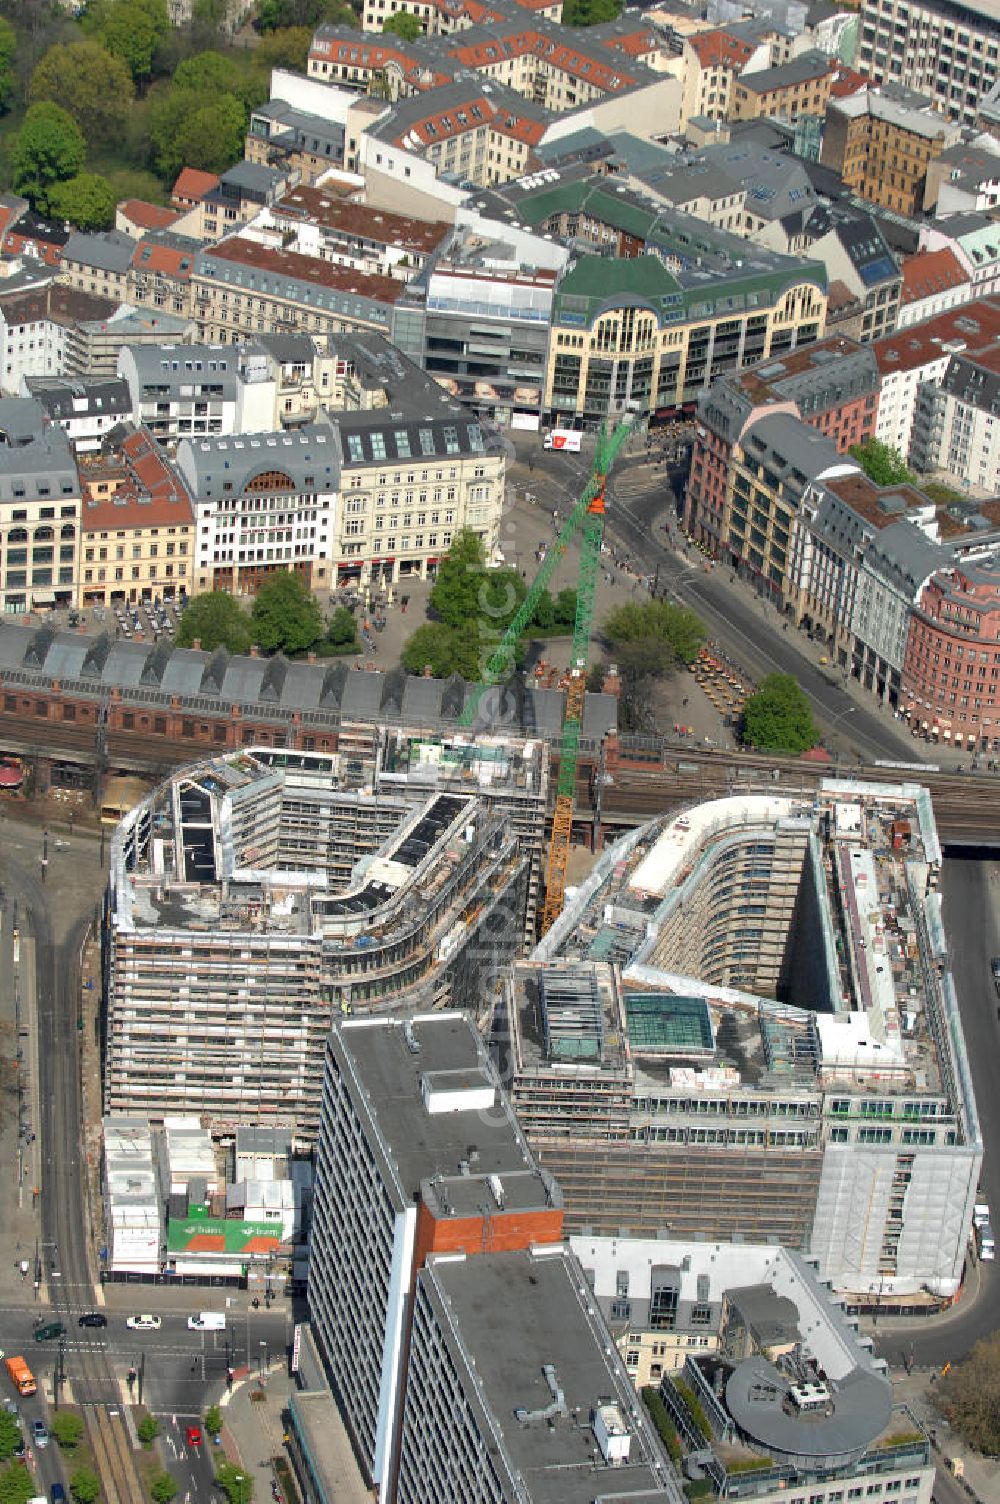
(546, 1321)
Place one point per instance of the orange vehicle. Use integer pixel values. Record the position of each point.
(21, 1375)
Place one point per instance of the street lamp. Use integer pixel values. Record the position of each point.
(242, 1480)
(850, 709)
(263, 1357)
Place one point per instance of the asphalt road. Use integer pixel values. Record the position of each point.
(641, 499)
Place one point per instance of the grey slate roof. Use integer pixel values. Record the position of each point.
(21, 418)
(322, 693)
(64, 399)
(109, 250)
(309, 457)
(173, 366)
(45, 467)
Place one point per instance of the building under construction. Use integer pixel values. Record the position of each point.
(744, 1025)
(255, 897)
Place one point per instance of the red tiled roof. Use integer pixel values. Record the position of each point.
(714, 49)
(152, 494)
(847, 81)
(974, 325)
(193, 184)
(152, 257)
(318, 206)
(148, 216)
(929, 272)
(306, 269)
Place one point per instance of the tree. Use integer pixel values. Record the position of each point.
(49, 148)
(215, 620)
(85, 1486)
(67, 1428)
(91, 85)
(404, 25)
(589, 12)
(213, 1420)
(447, 650)
(342, 630)
(653, 636)
(87, 201)
(8, 47)
(288, 48)
(286, 617)
(275, 15)
(16, 1484)
(778, 719)
(882, 464)
(163, 1488)
(208, 74)
(148, 1430)
(10, 1435)
(969, 1396)
(130, 30)
(235, 1484)
(456, 590)
(187, 130)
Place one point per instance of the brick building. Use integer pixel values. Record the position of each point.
(951, 672)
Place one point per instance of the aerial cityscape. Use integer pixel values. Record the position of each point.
(499, 751)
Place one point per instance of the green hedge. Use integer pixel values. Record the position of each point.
(660, 1416)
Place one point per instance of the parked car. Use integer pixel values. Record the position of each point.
(93, 1318)
(50, 1331)
(58, 1494)
(39, 1434)
(144, 1323)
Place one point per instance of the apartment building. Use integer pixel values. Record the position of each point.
(933, 282)
(86, 411)
(40, 330)
(247, 866)
(39, 515)
(25, 233)
(137, 524)
(794, 89)
(975, 241)
(918, 356)
(947, 49)
(316, 222)
(418, 1153)
(501, 1410)
(713, 60)
(263, 503)
(956, 423)
(841, 1084)
(950, 675)
(98, 262)
(242, 288)
(882, 146)
(964, 179)
(865, 280)
(439, 18)
(295, 141)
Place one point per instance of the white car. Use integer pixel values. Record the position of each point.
(144, 1323)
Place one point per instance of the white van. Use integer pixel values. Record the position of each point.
(207, 1321)
(986, 1247)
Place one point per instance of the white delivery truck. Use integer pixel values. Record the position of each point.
(568, 439)
(987, 1250)
(207, 1321)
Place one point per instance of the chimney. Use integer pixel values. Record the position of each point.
(196, 644)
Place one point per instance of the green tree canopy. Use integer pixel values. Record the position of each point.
(778, 718)
(16, 1484)
(91, 85)
(49, 148)
(403, 24)
(286, 617)
(86, 200)
(215, 620)
(447, 649)
(85, 1486)
(148, 1429)
(651, 637)
(163, 1488)
(882, 464)
(211, 73)
(274, 15)
(10, 1435)
(234, 1482)
(8, 47)
(288, 48)
(342, 629)
(456, 590)
(129, 29)
(213, 1420)
(969, 1396)
(188, 130)
(67, 1428)
(589, 12)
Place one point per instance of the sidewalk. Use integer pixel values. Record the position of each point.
(981, 1475)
